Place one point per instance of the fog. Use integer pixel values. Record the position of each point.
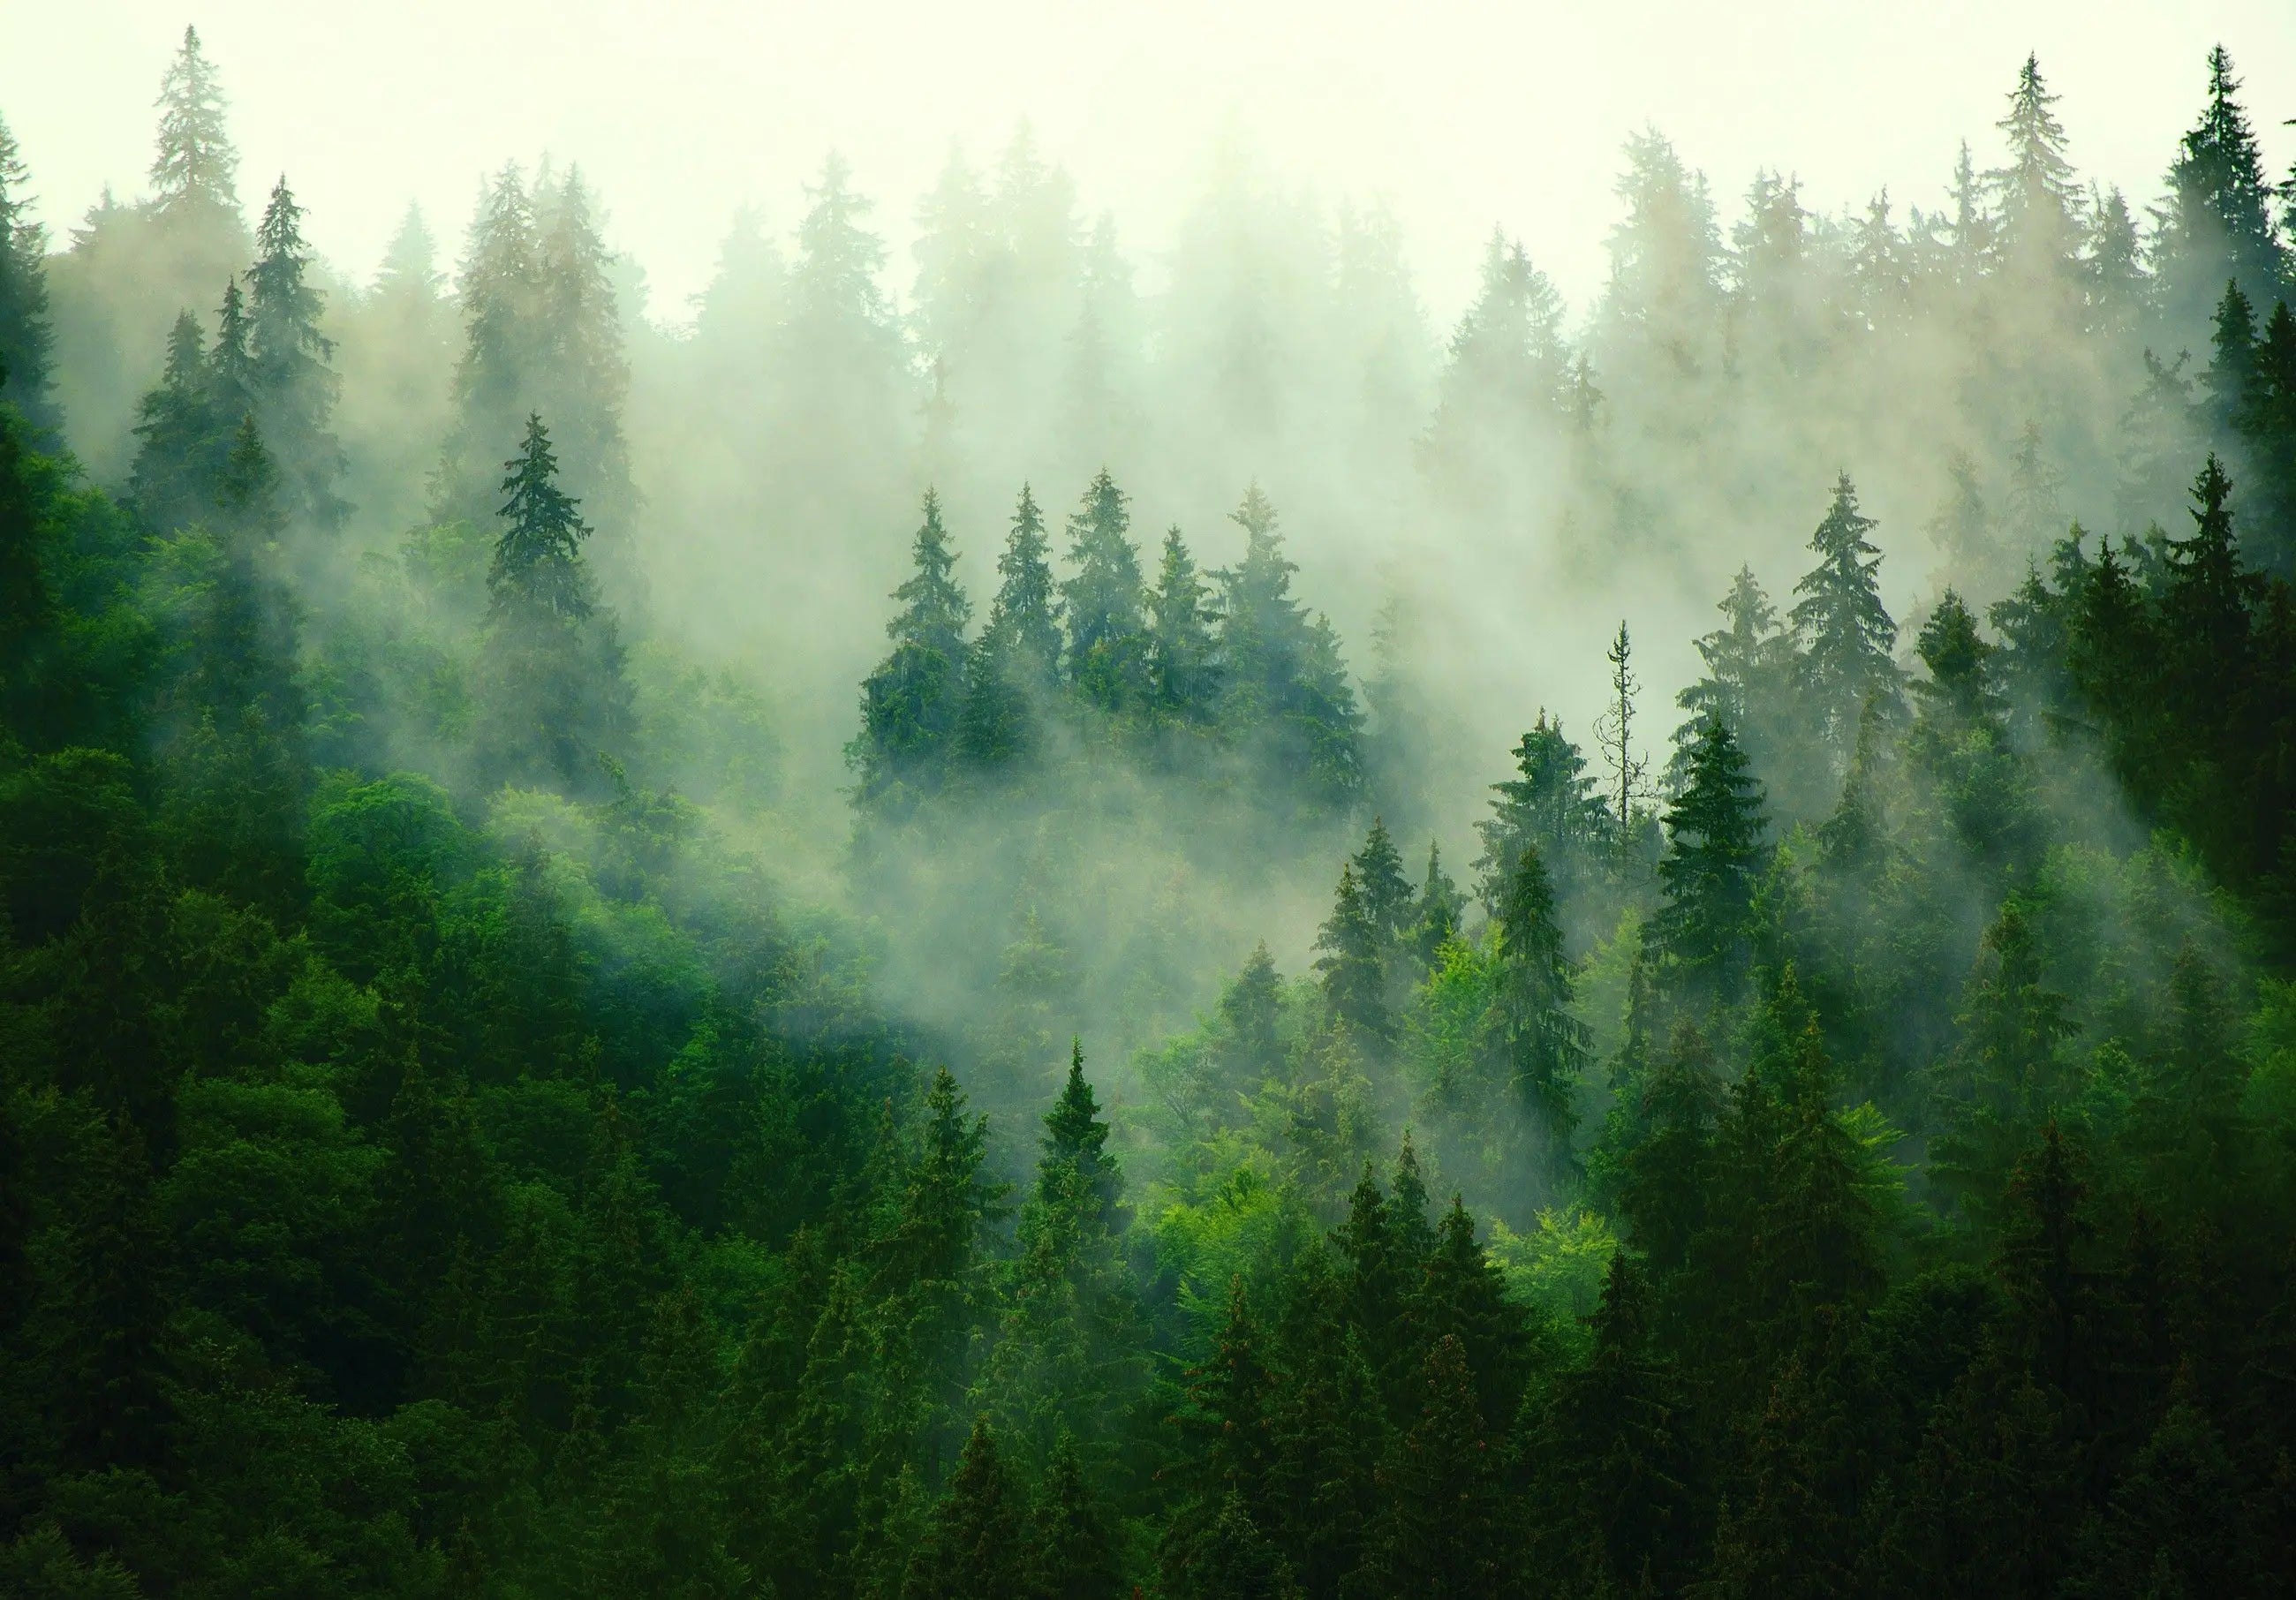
(1526, 324)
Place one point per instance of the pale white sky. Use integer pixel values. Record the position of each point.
(1459, 113)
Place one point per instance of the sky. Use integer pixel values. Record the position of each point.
(1459, 116)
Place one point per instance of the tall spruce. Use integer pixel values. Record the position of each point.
(1107, 644)
(1844, 632)
(295, 387)
(1714, 850)
(196, 167)
(1182, 666)
(26, 335)
(1542, 1047)
(911, 704)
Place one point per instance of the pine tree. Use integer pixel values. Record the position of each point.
(1435, 918)
(1543, 1045)
(1073, 1552)
(1353, 963)
(910, 705)
(976, 1545)
(1614, 732)
(196, 164)
(2007, 1079)
(2038, 205)
(1714, 848)
(1229, 1423)
(1107, 644)
(1024, 618)
(1379, 878)
(1505, 384)
(1551, 807)
(2216, 223)
(538, 569)
(1183, 671)
(1749, 675)
(1843, 630)
(1069, 1354)
(2231, 375)
(575, 368)
(25, 333)
(1286, 687)
(1440, 1534)
(1462, 1295)
(295, 388)
(176, 464)
(1614, 1493)
(556, 700)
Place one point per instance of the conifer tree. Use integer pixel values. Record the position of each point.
(294, 387)
(1439, 1532)
(1749, 672)
(1843, 630)
(1286, 685)
(557, 700)
(2038, 208)
(176, 464)
(1183, 672)
(1614, 1496)
(1614, 731)
(1435, 919)
(197, 164)
(1543, 1045)
(538, 569)
(1024, 618)
(2216, 223)
(1714, 843)
(1379, 878)
(2231, 375)
(1107, 646)
(25, 333)
(910, 705)
(1073, 1553)
(1551, 807)
(1069, 1355)
(976, 1545)
(1505, 383)
(1353, 963)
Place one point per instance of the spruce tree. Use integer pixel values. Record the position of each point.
(176, 462)
(1714, 848)
(1353, 963)
(1287, 691)
(1073, 1553)
(1748, 676)
(1182, 667)
(1024, 618)
(1107, 646)
(25, 333)
(196, 165)
(538, 569)
(1543, 1046)
(910, 705)
(2216, 223)
(1843, 631)
(556, 700)
(294, 387)
(977, 1545)
(1379, 878)
(1435, 919)
(1551, 807)
(2038, 205)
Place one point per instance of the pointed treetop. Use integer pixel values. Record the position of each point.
(538, 561)
(196, 161)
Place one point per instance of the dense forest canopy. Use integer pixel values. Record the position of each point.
(975, 931)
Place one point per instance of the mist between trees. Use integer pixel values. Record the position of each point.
(1025, 936)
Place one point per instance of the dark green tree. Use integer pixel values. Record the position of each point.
(911, 704)
(1714, 853)
(1183, 669)
(977, 1545)
(1543, 1045)
(1107, 646)
(1551, 807)
(1354, 964)
(1840, 627)
(26, 333)
(295, 387)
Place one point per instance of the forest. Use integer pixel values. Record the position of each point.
(1038, 923)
